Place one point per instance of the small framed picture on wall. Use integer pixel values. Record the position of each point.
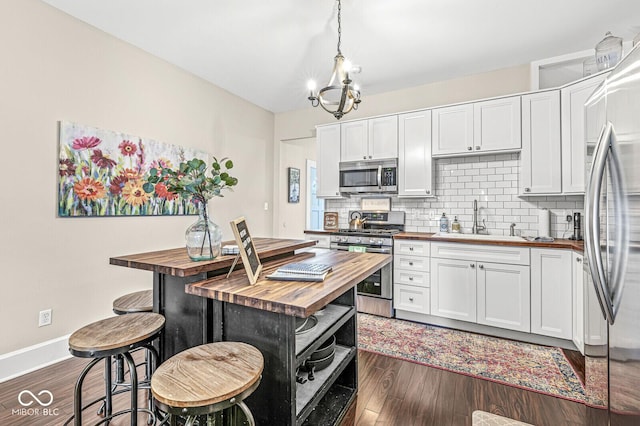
(294, 185)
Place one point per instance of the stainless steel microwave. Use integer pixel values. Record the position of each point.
(366, 177)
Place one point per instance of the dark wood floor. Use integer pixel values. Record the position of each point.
(392, 392)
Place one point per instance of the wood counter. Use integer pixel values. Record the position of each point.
(175, 261)
(557, 243)
(293, 297)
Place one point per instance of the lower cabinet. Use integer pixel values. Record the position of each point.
(492, 294)
(504, 296)
(551, 295)
(453, 289)
(411, 277)
(578, 305)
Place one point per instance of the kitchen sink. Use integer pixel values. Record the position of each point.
(482, 237)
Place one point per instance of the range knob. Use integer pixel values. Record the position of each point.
(343, 239)
(379, 242)
(358, 240)
(372, 241)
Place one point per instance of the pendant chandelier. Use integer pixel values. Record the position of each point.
(339, 97)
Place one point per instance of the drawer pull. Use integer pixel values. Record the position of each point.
(472, 265)
(411, 299)
(469, 148)
(411, 263)
(410, 278)
(481, 266)
(410, 248)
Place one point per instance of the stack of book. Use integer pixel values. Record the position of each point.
(301, 272)
(230, 249)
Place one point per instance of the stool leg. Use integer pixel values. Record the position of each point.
(108, 405)
(133, 375)
(247, 413)
(77, 396)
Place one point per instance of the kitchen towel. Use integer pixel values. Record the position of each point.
(544, 223)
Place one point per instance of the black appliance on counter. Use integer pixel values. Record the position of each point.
(577, 227)
(375, 293)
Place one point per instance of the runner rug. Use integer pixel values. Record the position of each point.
(541, 369)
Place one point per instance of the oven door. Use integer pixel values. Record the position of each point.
(374, 249)
(377, 284)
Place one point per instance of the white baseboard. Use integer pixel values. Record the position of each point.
(26, 360)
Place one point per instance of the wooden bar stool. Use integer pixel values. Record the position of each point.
(139, 301)
(207, 379)
(104, 339)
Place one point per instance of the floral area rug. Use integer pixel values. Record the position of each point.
(541, 369)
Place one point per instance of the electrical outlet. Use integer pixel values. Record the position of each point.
(44, 318)
(569, 218)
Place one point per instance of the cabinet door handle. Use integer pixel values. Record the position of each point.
(469, 148)
(578, 259)
(527, 190)
(477, 148)
(410, 248)
(364, 157)
(411, 299)
(472, 265)
(428, 192)
(410, 278)
(410, 263)
(481, 266)
(369, 157)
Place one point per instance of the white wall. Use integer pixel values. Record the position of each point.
(53, 68)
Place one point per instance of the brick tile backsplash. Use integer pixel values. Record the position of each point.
(490, 179)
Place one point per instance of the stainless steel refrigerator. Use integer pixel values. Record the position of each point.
(612, 248)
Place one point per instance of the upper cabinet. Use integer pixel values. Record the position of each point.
(541, 169)
(574, 134)
(415, 165)
(452, 130)
(328, 160)
(372, 139)
(480, 128)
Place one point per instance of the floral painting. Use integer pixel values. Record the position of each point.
(102, 173)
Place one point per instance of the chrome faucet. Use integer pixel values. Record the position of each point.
(475, 229)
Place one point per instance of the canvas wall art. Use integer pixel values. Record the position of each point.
(294, 185)
(102, 173)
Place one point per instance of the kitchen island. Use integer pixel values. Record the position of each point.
(201, 305)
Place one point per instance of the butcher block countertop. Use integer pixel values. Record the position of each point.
(176, 262)
(296, 298)
(426, 236)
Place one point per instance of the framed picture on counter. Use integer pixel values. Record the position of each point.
(330, 221)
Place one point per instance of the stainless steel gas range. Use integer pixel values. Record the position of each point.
(375, 293)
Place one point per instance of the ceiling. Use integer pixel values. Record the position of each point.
(266, 51)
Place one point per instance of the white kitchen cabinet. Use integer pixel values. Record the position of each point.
(452, 130)
(503, 296)
(477, 128)
(577, 287)
(575, 135)
(541, 168)
(411, 278)
(354, 141)
(372, 139)
(471, 282)
(496, 125)
(551, 296)
(328, 160)
(453, 289)
(415, 165)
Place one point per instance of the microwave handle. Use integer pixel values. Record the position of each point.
(380, 176)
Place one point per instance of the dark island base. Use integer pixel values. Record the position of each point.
(193, 320)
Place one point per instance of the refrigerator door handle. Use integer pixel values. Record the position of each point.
(621, 217)
(592, 213)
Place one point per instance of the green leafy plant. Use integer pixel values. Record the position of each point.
(191, 182)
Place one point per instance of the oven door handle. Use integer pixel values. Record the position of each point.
(383, 250)
(380, 177)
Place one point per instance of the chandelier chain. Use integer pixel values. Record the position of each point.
(339, 25)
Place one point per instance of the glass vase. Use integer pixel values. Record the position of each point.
(203, 237)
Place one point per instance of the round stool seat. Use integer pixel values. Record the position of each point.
(115, 335)
(210, 375)
(139, 301)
